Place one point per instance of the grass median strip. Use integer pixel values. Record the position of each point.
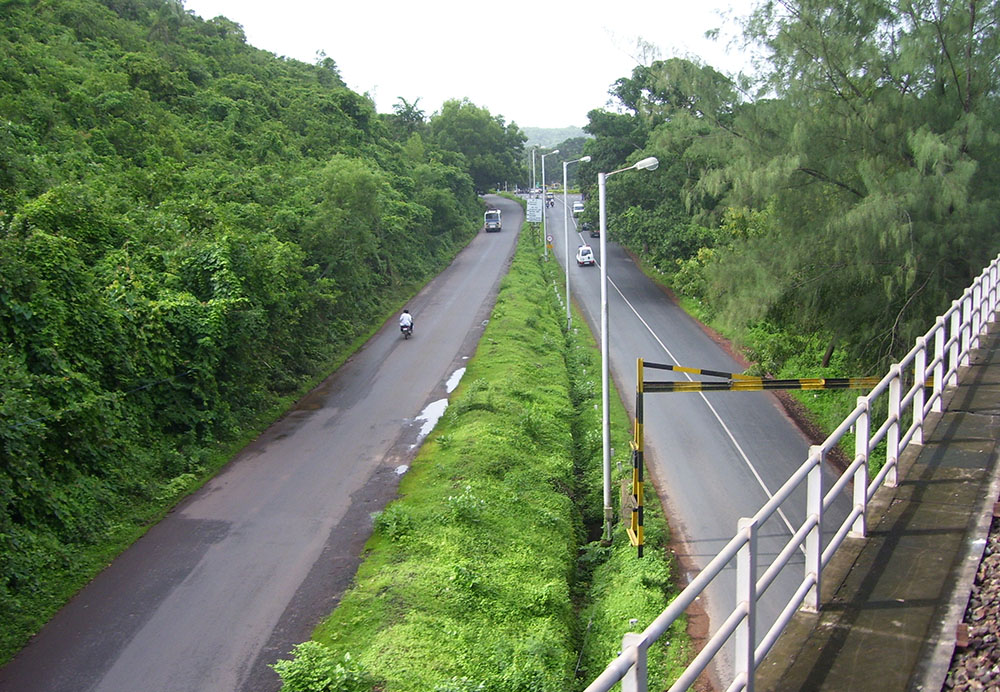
(480, 575)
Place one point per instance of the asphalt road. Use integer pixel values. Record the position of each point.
(244, 569)
(714, 457)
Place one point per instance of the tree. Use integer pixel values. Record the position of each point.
(881, 157)
(406, 118)
(491, 147)
(675, 107)
(667, 87)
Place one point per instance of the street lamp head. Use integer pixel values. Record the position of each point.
(585, 159)
(648, 164)
(554, 151)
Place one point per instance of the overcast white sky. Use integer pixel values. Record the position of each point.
(536, 64)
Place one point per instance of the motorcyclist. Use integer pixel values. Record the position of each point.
(406, 320)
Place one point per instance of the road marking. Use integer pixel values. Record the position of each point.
(715, 413)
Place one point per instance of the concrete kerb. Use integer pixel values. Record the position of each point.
(941, 641)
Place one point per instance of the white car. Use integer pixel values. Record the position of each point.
(585, 255)
(577, 208)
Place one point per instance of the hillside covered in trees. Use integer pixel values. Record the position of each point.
(191, 229)
(832, 207)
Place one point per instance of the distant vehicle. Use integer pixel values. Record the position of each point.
(585, 256)
(588, 227)
(577, 208)
(491, 220)
(549, 195)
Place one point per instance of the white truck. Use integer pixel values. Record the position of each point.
(491, 220)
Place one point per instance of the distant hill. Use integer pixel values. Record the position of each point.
(551, 136)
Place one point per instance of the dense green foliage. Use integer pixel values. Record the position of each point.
(473, 579)
(490, 146)
(190, 230)
(846, 197)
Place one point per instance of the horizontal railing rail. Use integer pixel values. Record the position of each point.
(913, 388)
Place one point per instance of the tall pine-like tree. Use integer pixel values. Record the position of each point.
(877, 143)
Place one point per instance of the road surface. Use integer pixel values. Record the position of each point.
(243, 570)
(714, 457)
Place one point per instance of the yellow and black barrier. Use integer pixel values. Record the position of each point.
(756, 384)
(701, 371)
(734, 382)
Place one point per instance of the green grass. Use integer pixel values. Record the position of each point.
(479, 576)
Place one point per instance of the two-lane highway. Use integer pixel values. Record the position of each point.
(714, 457)
(243, 569)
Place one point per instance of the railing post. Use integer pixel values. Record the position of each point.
(977, 313)
(919, 381)
(991, 288)
(939, 357)
(955, 337)
(635, 679)
(862, 429)
(966, 328)
(814, 539)
(994, 276)
(892, 436)
(746, 592)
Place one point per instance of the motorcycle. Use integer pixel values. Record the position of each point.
(407, 330)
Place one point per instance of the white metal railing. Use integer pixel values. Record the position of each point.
(935, 359)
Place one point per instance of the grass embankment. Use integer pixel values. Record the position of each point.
(480, 575)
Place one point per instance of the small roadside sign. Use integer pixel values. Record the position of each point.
(535, 210)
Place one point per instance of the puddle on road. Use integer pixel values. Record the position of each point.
(430, 416)
(454, 380)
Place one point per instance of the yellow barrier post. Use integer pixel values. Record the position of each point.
(635, 529)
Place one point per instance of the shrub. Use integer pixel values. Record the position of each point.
(314, 668)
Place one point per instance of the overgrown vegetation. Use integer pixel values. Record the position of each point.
(480, 576)
(191, 232)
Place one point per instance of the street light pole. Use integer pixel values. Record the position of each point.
(545, 244)
(650, 164)
(533, 168)
(569, 316)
